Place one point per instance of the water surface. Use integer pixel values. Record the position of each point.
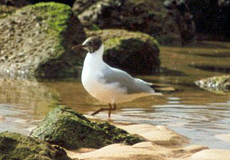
(191, 111)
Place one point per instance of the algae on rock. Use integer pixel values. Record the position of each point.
(218, 84)
(20, 147)
(71, 130)
(37, 40)
(134, 52)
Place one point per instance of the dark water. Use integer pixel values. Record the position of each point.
(195, 113)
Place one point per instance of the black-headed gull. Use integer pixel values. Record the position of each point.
(108, 84)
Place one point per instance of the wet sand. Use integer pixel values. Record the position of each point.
(161, 144)
(2, 118)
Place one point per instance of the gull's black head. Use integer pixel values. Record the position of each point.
(91, 44)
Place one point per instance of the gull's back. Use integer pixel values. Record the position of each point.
(128, 83)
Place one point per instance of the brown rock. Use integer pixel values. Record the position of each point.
(141, 15)
(15, 3)
(37, 40)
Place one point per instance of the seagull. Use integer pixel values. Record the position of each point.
(106, 83)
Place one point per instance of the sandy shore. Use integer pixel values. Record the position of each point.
(2, 118)
(161, 144)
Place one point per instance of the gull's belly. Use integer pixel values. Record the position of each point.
(109, 93)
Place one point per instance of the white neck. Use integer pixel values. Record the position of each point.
(94, 60)
(98, 53)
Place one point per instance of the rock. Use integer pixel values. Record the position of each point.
(20, 147)
(22, 3)
(140, 15)
(71, 130)
(184, 19)
(211, 19)
(69, 2)
(36, 41)
(15, 3)
(223, 3)
(134, 52)
(220, 84)
(6, 10)
(80, 5)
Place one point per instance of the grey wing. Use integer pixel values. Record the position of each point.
(126, 81)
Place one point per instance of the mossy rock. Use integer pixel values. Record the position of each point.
(71, 130)
(69, 2)
(22, 3)
(134, 52)
(14, 146)
(145, 16)
(80, 6)
(15, 3)
(219, 84)
(36, 41)
(6, 10)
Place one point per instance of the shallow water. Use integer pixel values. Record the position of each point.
(193, 112)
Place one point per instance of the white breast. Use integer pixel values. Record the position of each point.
(95, 86)
(92, 71)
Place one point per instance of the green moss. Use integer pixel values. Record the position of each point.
(114, 36)
(16, 146)
(56, 16)
(93, 27)
(117, 135)
(53, 30)
(123, 42)
(69, 129)
(113, 42)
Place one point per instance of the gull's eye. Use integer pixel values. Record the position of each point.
(90, 43)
